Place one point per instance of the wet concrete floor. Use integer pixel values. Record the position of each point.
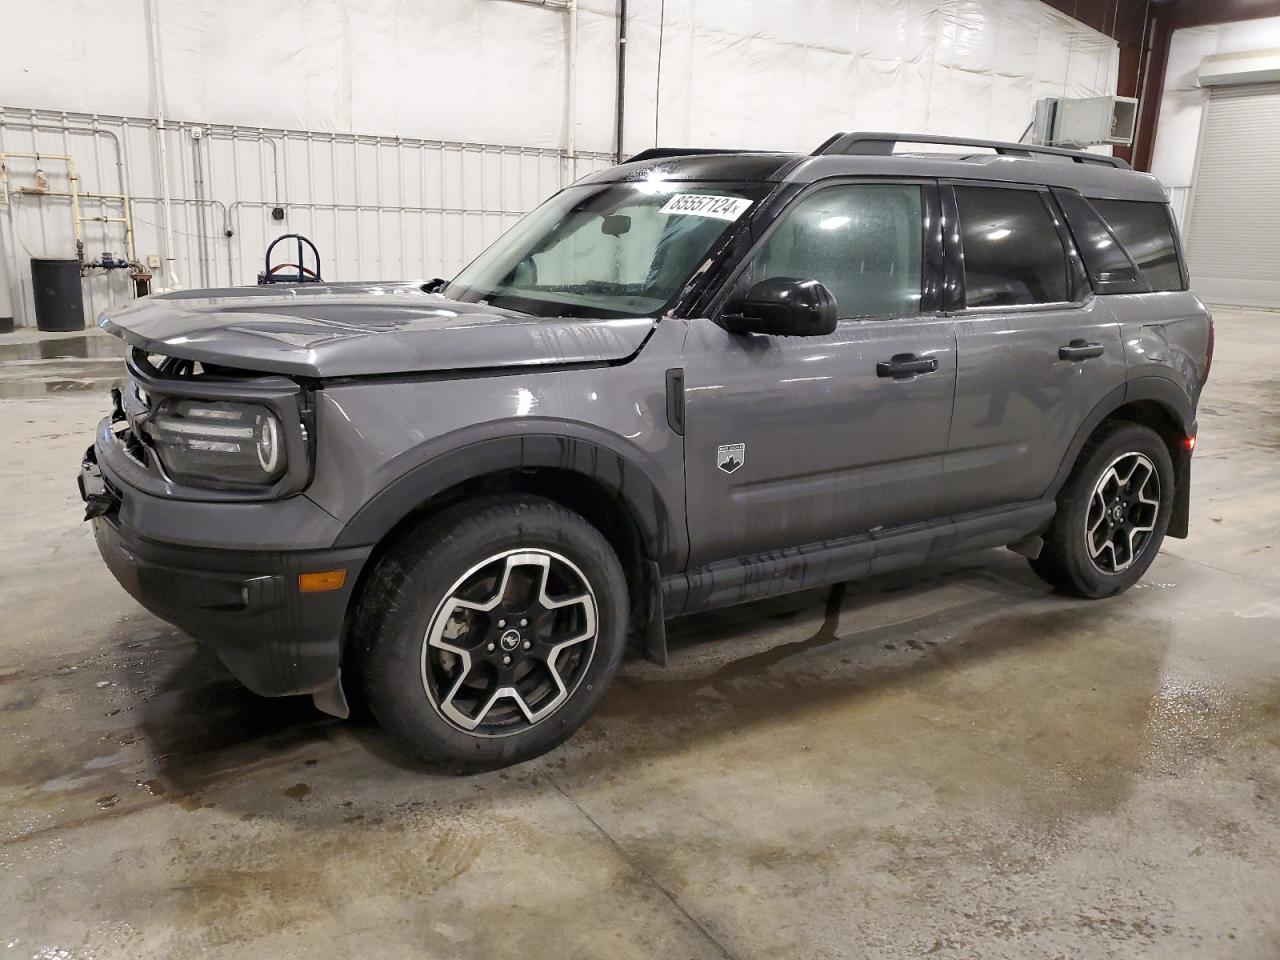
(952, 763)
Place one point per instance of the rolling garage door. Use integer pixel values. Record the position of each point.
(1233, 234)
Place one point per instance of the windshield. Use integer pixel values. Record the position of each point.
(614, 250)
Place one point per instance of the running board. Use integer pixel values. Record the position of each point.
(740, 579)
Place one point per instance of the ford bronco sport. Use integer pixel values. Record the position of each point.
(694, 379)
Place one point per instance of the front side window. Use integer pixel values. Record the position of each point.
(1012, 251)
(863, 241)
(612, 250)
(1143, 228)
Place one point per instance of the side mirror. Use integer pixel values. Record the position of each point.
(785, 307)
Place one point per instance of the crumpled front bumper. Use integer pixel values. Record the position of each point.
(246, 604)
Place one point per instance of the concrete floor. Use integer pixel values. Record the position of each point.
(955, 763)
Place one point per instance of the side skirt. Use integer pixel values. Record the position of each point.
(741, 579)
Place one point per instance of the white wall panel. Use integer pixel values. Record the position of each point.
(355, 103)
(750, 72)
(765, 73)
(1183, 100)
(377, 208)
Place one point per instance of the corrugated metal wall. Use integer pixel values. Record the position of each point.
(1233, 226)
(377, 207)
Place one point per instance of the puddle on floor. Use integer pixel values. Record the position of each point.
(154, 718)
(87, 347)
(43, 368)
(28, 389)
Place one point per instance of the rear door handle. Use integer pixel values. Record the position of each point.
(1080, 350)
(903, 365)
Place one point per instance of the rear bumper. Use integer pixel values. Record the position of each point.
(244, 604)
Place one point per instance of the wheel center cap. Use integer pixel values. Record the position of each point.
(509, 640)
(1117, 512)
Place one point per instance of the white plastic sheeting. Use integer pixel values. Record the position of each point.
(782, 73)
(747, 73)
(788, 73)
(482, 70)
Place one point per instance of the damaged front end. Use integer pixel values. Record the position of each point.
(193, 486)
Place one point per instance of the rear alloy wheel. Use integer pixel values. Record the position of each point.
(488, 633)
(1112, 513)
(1122, 513)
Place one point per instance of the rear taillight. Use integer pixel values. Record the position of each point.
(1208, 360)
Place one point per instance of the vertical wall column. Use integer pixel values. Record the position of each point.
(6, 293)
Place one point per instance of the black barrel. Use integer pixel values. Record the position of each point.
(59, 300)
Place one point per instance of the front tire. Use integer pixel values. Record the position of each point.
(489, 633)
(1112, 513)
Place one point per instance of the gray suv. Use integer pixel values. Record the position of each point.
(692, 380)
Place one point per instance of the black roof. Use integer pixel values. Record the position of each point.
(872, 154)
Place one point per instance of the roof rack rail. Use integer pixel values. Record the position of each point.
(882, 144)
(659, 153)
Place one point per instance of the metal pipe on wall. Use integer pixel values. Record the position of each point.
(69, 125)
(621, 95)
(197, 182)
(60, 120)
(157, 85)
(571, 92)
(450, 200)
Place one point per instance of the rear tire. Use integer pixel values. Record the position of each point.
(489, 633)
(1112, 513)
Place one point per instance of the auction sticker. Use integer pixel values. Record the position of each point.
(706, 205)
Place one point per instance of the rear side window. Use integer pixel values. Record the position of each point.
(1110, 268)
(863, 241)
(1013, 253)
(1146, 232)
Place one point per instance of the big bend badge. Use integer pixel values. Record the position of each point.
(730, 456)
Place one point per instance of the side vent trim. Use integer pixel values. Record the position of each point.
(675, 400)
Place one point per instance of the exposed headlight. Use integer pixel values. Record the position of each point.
(218, 443)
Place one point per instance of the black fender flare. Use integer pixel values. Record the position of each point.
(1173, 398)
(662, 530)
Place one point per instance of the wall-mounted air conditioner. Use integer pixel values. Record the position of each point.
(1066, 122)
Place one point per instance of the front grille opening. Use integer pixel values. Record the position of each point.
(176, 368)
(134, 447)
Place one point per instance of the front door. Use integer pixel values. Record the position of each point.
(796, 440)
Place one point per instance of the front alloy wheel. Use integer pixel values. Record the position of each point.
(488, 632)
(510, 642)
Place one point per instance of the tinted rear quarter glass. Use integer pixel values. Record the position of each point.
(1145, 230)
(1109, 267)
(1013, 253)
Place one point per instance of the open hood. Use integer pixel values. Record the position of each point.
(345, 330)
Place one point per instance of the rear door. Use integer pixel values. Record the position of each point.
(794, 440)
(1036, 350)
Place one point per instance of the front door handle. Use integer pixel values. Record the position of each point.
(1080, 350)
(902, 365)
